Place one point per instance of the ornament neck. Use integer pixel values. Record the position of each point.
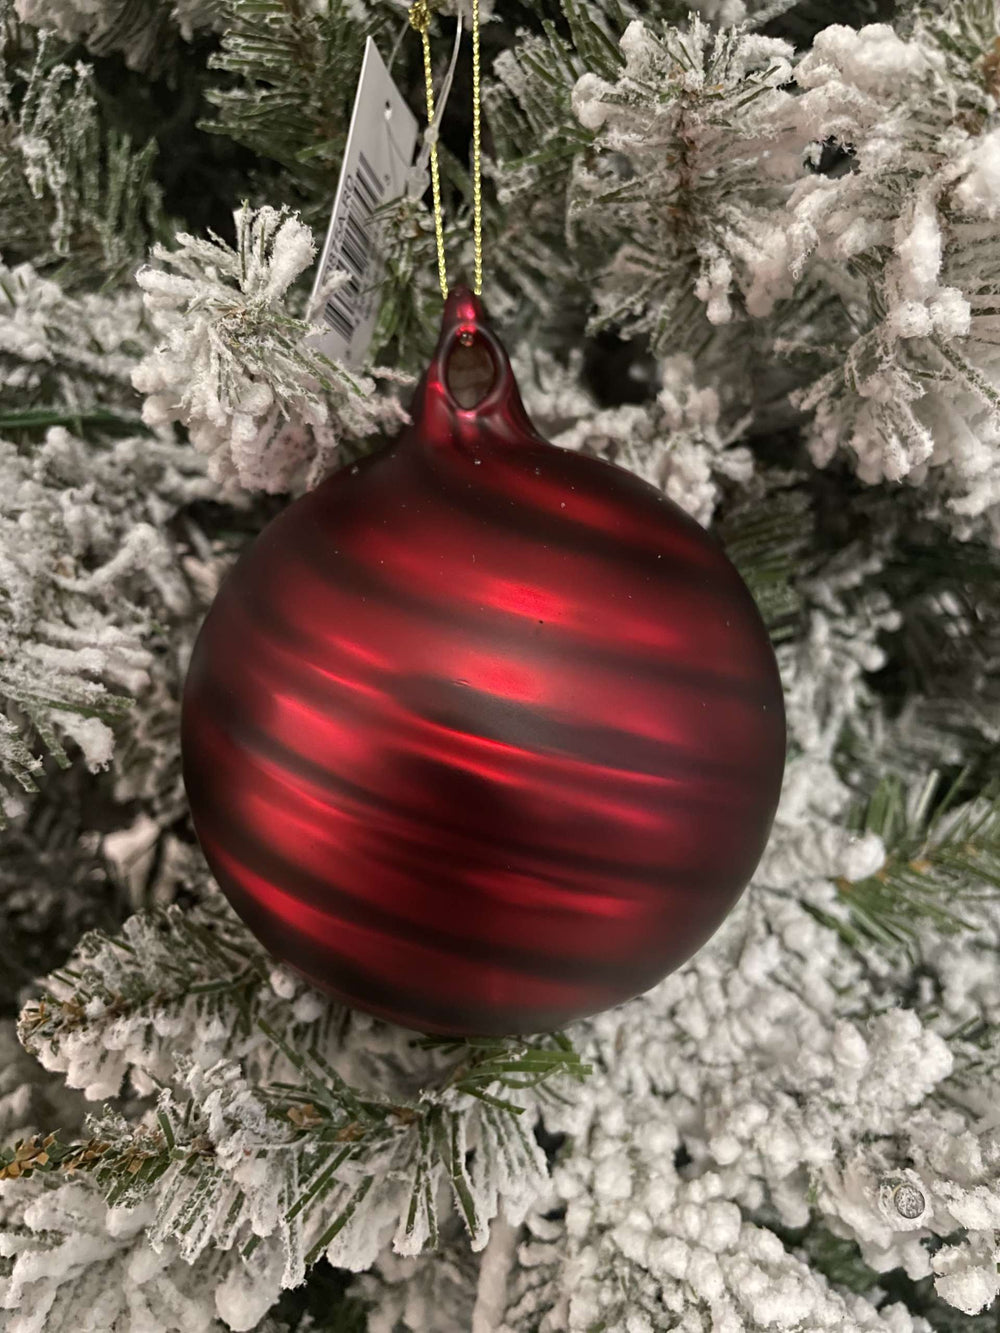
(468, 389)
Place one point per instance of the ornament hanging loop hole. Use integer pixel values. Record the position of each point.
(470, 369)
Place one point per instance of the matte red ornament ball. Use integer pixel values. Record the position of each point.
(482, 735)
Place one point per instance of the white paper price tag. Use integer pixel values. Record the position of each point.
(377, 159)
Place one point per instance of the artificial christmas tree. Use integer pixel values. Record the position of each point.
(745, 253)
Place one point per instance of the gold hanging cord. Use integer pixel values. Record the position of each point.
(420, 19)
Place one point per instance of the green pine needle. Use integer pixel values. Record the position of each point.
(942, 858)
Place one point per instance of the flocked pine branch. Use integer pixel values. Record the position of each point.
(88, 581)
(799, 21)
(692, 1210)
(976, 1042)
(948, 642)
(798, 1083)
(66, 1261)
(679, 442)
(297, 71)
(400, 1292)
(146, 34)
(77, 199)
(942, 858)
(535, 138)
(66, 359)
(294, 72)
(902, 239)
(236, 367)
(693, 144)
(54, 886)
(889, 251)
(529, 103)
(284, 1131)
(767, 535)
(663, 1212)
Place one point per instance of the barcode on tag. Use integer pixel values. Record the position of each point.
(377, 158)
(344, 308)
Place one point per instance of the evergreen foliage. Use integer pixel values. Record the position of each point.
(939, 858)
(271, 1139)
(77, 200)
(89, 583)
(747, 250)
(294, 72)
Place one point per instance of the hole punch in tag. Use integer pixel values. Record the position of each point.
(376, 167)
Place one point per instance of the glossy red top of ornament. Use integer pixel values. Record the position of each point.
(483, 735)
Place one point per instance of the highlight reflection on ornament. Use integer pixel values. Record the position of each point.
(482, 735)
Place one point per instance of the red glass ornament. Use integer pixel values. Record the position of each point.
(482, 735)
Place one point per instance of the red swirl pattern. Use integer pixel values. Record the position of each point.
(482, 735)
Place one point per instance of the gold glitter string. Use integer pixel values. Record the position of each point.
(477, 226)
(420, 19)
